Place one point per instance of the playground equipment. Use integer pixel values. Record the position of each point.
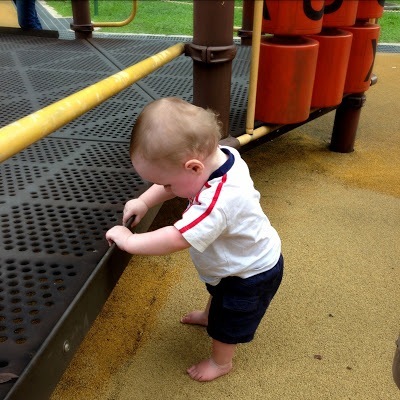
(333, 59)
(285, 86)
(16, 136)
(81, 17)
(33, 274)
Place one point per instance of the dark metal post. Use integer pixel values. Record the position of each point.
(82, 24)
(246, 32)
(212, 52)
(396, 364)
(346, 123)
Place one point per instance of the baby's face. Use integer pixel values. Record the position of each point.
(177, 179)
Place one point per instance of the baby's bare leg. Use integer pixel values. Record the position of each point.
(219, 364)
(197, 317)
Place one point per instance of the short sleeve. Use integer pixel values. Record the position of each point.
(202, 224)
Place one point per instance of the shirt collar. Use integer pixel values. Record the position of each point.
(225, 167)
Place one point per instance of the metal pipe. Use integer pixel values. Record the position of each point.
(212, 52)
(119, 23)
(255, 57)
(81, 24)
(246, 32)
(255, 134)
(345, 126)
(396, 364)
(22, 133)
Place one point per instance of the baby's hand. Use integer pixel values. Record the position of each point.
(118, 235)
(135, 207)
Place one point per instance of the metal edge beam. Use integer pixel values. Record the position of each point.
(42, 374)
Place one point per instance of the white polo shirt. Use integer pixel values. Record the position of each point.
(226, 227)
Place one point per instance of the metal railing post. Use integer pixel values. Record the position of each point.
(82, 24)
(212, 52)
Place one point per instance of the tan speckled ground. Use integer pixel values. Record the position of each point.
(8, 14)
(330, 332)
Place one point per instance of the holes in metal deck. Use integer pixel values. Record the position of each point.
(182, 66)
(52, 80)
(15, 109)
(102, 187)
(6, 60)
(16, 177)
(63, 61)
(164, 86)
(49, 229)
(109, 121)
(28, 292)
(49, 151)
(120, 114)
(105, 155)
(12, 83)
(237, 115)
(241, 69)
(142, 45)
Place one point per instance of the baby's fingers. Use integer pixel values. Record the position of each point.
(131, 221)
(128, 213)
(111, 234)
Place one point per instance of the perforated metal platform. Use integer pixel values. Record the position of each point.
(59, 196)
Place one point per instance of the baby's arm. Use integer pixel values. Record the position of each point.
(156, 194)
(159, 242)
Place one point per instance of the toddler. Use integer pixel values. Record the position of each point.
(236, 251)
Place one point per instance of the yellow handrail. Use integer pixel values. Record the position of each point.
(22, 133)
(255, 56)
(254, 135)
(120, 23)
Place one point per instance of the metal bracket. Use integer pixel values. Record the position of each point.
(211, 54)
(82, 28)
(245, 34)
(374, 79)
(355, 101)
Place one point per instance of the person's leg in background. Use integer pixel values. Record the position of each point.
(27, 15)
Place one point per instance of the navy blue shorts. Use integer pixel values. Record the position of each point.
(238, 304)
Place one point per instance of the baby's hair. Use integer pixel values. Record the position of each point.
(172, 129)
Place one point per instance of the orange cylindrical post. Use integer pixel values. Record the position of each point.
(368, 9)
(340, 13)
(285, 79)
(333, 59)
(362, 56)
(292, 17)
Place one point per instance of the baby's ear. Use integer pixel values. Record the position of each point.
(195, 166)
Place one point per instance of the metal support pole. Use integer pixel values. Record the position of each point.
(96, 7)
(82, 24)
(212, 52)
(346, 123)
(246, 32)
(396, 364)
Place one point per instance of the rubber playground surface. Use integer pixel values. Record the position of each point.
(330, 332)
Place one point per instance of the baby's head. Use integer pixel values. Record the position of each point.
(173, 130)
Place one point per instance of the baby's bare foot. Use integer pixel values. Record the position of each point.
(195, 318)
(208, 370)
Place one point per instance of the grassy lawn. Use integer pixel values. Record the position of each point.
(390, 27)
(176, 17)
(153, 16)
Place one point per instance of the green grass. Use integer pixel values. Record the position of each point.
(176, 17)
(153, 16)
(390, 27)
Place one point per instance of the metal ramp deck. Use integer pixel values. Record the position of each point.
(59, 196)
